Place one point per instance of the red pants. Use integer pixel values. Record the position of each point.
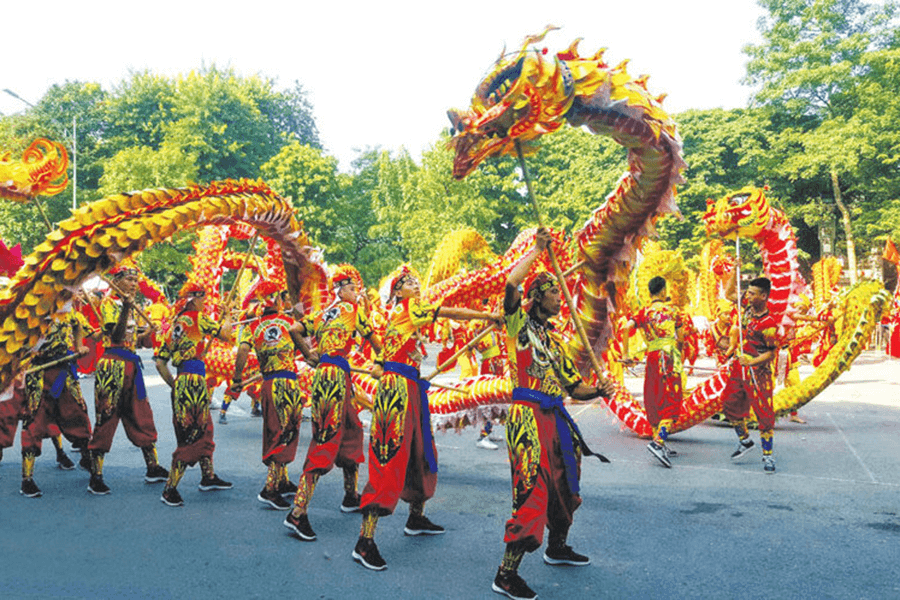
(397, 466)
(191, 419)
(282, 408)
(337, 432)
(67, 414)
(10, 412)
(663, 393)
(115, 399)
(750, 387)
(541, 494)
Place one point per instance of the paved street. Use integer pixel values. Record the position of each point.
(827, 525)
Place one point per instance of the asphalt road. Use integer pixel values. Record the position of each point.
(826, 525)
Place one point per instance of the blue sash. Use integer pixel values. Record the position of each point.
(194, 366)
(59, 383)
(412, 374)
(280, 375)
(338, 361)
(568, 431)
(133, 358)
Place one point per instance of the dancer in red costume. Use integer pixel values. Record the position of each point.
(337, 438)
(402, 455)
(545, 446)
(663, 328)
(186, 345)
(119, 392)
(750, 380)
(275, 337)
(53, 399)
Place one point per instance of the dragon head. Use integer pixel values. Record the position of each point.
(42, 171)
(744, 213)
(522, 97)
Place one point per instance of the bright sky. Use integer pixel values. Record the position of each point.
(377, 72)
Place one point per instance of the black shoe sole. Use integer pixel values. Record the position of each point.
(96, 493)
(350, 509)
(557, 562)
(500, 590)
(272, 504)
(214, 488)
(408, 531)
(35, 495)
(168, 503)
(358, 558)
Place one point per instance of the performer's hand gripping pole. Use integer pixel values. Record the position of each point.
(579, 327)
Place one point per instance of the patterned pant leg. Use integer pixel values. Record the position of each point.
(191, 420)
(395, 442)
(282, 413)
(530, 470)
(109, 381)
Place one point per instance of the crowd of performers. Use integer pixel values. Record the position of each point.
(545, 445)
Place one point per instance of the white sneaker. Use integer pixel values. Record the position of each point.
(486, 444)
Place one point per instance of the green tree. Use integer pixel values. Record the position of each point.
(808, 68)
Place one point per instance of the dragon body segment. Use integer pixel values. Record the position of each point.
(105, 232)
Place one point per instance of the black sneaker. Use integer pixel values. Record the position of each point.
(660, 453)
(273, 499)
(421, 526)
(156, 474)
(97, 487)
(171, 497)
(350, 504)
(30, 489)
(287, 488)
(223, 420)
(300, 525)
(64, 462)
(255, 412)
(743, 447)
(565, 556)
(214, 483)
(670, 452)
(512, 586)
(769, 463)
(366, 553)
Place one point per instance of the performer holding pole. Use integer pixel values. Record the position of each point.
(185, 346)
(750, 380)
(402, 454)
(53, 396)
(337, 436)
(119, 391)
(663, 329)
(275, 336)
(544, 444)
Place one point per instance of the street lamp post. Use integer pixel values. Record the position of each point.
(74, 144)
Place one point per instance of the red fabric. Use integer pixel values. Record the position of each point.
(893, 348)
(662, 388)
(88, 363)
(64, 415)
(744, 391)
(10, 410)
(543, 499)
(10, 259)
(136, 415)
(337, 432)
(405, 474)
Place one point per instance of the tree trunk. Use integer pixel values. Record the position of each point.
(845, 221)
